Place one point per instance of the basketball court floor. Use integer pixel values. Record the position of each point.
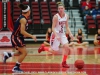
(48, 64)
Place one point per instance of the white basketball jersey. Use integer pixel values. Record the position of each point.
(61, 23)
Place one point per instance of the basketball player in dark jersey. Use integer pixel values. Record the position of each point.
(17, 37)
(97, 38)
(79, 39)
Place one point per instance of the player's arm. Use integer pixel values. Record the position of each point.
(54, 21)
(46, 36)
(68, 29)
(23, 22)
(95, 37)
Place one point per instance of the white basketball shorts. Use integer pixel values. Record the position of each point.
(54, 43)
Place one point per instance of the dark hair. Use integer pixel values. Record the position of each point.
(80, 30)
(60, 4)
(22, 6)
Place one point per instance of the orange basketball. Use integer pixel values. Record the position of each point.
(79, 64)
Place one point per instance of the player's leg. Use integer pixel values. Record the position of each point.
(46, 43)
(66, 50)
(54, 47)
(96, 42)
(54, 43)
(71, 43)
(15, 44)
(84, 43)
(23, 54)
(10, 54)
(77, 44)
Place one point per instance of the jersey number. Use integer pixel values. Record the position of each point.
(61, 31)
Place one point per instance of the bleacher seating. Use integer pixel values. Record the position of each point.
(98, 21)
(36, 17)
(16, 11)
(53, 8)
(45, 15)
(91, 25)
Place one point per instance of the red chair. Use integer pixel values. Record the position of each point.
(46, 21)
(44, 6)
(43, 3)
(92, 29)
(89, 17)
(91, 26)
(36, 17)
(36, 14)
(36, 21)
(45, 14)
(27, 3)
(52, 3)
(53, 13)
(35, 10)
(44, 10)
(16, 13)
(98, 21)
(97, 17)
(16, 3)
(91, 22)
(35, 6)
(34, 3)
(53, 6)
(45, 17)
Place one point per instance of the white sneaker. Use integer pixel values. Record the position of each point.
(5, 56)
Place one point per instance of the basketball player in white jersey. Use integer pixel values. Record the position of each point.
(60, 20)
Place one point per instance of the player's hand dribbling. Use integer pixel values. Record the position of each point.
(34, 37)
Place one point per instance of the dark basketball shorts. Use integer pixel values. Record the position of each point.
(17, 41)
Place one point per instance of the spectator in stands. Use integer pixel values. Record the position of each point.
(79, 38)
(97, 38)
(97, 43)
(48, 34)
(95, 12)
(87, 3)
(86, 12)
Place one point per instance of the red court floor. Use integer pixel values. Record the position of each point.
(48, 64)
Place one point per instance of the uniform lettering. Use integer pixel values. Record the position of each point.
(61, 23)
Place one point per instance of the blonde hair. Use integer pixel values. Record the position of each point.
(60, 4)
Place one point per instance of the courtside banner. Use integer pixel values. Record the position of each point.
(5, 38)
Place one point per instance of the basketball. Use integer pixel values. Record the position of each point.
(79, 64)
